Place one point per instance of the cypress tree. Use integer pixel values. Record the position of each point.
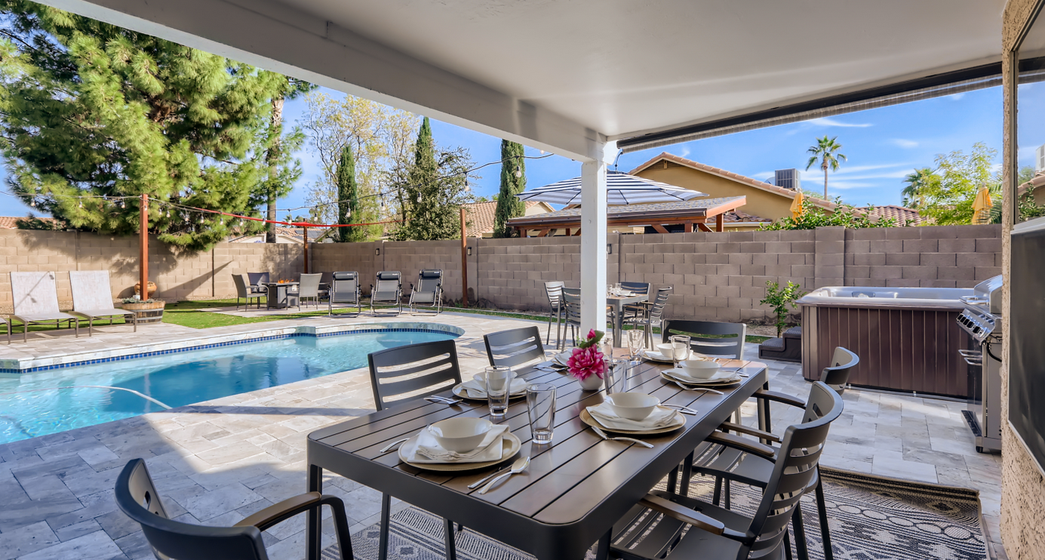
(508, 205)
(348, 198)
(431, 190)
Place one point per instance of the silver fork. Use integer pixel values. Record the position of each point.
(603, 435)
(681, 386)
(517, 467)
(442, 400)
(680, 408)
(391, 445)
(487, 478)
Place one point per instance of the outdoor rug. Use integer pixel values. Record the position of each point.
(872, 518)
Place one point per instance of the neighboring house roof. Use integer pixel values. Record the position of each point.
(11, 222)
(287, 234)
(481, 215)
(901, 214)
(748, 181)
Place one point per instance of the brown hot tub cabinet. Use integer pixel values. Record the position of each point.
(907, 338)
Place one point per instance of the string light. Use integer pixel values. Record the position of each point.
(81, 203)
(518, 172)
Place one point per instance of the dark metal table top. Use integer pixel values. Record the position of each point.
(574, 489)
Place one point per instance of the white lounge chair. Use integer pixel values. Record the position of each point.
(36, 301)
(92, 298)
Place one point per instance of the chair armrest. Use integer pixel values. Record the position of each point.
(742, 429)
(282, 511)
(683, 513)
(748, 446)
(779, 397)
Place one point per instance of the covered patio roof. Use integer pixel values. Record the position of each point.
(692, 214)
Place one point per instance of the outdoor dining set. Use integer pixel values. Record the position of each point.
(342, 288)
(524, 453)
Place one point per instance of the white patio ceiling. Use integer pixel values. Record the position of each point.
(558, 75)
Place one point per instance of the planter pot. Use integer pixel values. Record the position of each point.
(591, 383)
(149, 312)
(151, 287)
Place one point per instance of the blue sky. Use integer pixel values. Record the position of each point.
(883, 145)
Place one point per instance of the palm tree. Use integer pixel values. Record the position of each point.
(914, 192)
(826, 150)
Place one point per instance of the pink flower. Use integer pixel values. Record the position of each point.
(585, 362)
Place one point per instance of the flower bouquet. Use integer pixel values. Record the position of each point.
(587, 363)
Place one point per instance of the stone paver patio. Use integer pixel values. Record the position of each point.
(219, 461)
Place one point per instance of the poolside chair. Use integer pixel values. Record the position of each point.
(257, 281)
(514, 347)
(36, 301)
(429, 290)
(556, 309)
(244, 292)
(137, 497)
(389, 289)
(308, 289)
(344, 288)
(92, 298)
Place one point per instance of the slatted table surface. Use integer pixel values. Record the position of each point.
(572, 492)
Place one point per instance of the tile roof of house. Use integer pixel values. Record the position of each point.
(901, 214)
(481, 216)
(11, 222)
(755, 183)
(696, 207)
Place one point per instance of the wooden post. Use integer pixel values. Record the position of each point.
(464, 260)
(720, 223)
(304, 233)
(143, 253)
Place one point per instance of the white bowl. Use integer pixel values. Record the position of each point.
(700, 368)
(480, 378)
(666, 350)
(460, 434)
(633, 406)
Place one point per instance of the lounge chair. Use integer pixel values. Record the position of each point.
(92, 298)
(389, 289)
(344, 288)
(244, 292)
(429, 290)
(36, 301)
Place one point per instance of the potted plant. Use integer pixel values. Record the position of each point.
(587, 362)
(780, 299)
(146, 310)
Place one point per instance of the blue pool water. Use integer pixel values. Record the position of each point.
(36, 404)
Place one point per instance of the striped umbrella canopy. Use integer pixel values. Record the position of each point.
(621, 189)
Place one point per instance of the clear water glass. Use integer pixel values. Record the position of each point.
(498, 385)
(540, 406)
(679, 348)
(636, 341)
(617, 377)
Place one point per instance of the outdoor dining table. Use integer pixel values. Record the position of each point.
(618, 303)
(575, 488)
(279, 294)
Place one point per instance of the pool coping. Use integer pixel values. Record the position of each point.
(149, 350)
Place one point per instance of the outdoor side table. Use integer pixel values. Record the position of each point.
(279, 295)
(574, 489)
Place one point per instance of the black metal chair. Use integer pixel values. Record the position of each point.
(837, 374)
(137, 497)
(710, 337)
(417, 370)
(389, 289)
(715, 532)
(653, 315)
(244, 292)
(556, 309)
(514, 347)
(428, 291)
(571, 300)
(344, 288)
(639, 289)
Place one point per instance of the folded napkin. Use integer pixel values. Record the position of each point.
(428, 450)
(477, 390)
(659, 418)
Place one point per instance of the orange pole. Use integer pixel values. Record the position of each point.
(464, 260)
(144, 248)
(304, 233)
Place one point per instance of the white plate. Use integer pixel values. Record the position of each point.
(655, 356)
(590, 420)
(509, 441)
(459, 391)
(716, 380)
(563, 358)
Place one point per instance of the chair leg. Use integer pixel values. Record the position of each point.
(382, 542)
(821, 506)
(344, 538)
(800, 533)
(451, 549)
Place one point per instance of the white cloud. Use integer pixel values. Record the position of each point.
(956, 96)
(684, 151)
(904, 143)
(824, 121)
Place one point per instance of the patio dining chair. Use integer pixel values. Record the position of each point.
(653, 314)
(92, 298)
(137, 497)
(710, 337)
(308, 289)
(556, 308)
(716, 532)
(389, 289)
(428, 291)
(35, 297)
(638, 289)
(514, 347)
(257, 281)
(408, 373)
(344, 288)
(244, 292)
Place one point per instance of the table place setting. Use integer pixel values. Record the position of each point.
(700, 371)
(476, 388)
(633, 413)
(458, 444)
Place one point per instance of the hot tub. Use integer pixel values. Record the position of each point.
(907, 338)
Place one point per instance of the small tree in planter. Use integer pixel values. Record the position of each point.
(780, 299)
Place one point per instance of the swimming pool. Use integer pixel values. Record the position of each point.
(47, 402)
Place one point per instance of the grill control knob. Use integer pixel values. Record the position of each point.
(975, 330)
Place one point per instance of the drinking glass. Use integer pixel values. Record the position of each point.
(617, 377)
(498, 385)
(636, 341)
(540, 406)
(679, 349)
(616, 288)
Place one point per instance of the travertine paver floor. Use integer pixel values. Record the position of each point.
(219, 461)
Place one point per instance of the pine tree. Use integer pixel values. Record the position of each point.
(274, 156)
(348, 198)
(513, 182)
(93, 115)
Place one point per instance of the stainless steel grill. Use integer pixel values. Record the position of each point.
(981, 318)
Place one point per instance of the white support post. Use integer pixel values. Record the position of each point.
(593, 245)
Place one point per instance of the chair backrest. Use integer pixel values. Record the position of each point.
(429, 281)
(837, 374)
(554, 292)
(660, 301)
(241, 282)
(34, 293)
(573, 305)
(417, 371)
(308, 285)
(794, 472)
(388, 281)
(91, 289)
(514, 347)
(136, 496)
(637, 288)
(344, 287)
(710, 337)
(257, 278)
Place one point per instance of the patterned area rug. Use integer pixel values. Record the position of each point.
(872, 518)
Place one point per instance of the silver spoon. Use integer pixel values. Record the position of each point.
(517, 467)
(486, 478)
(696, 388)
(603, 435)
(391, 445)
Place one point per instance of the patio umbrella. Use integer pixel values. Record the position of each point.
(621, 189)
(796, 205)
(981, 206)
